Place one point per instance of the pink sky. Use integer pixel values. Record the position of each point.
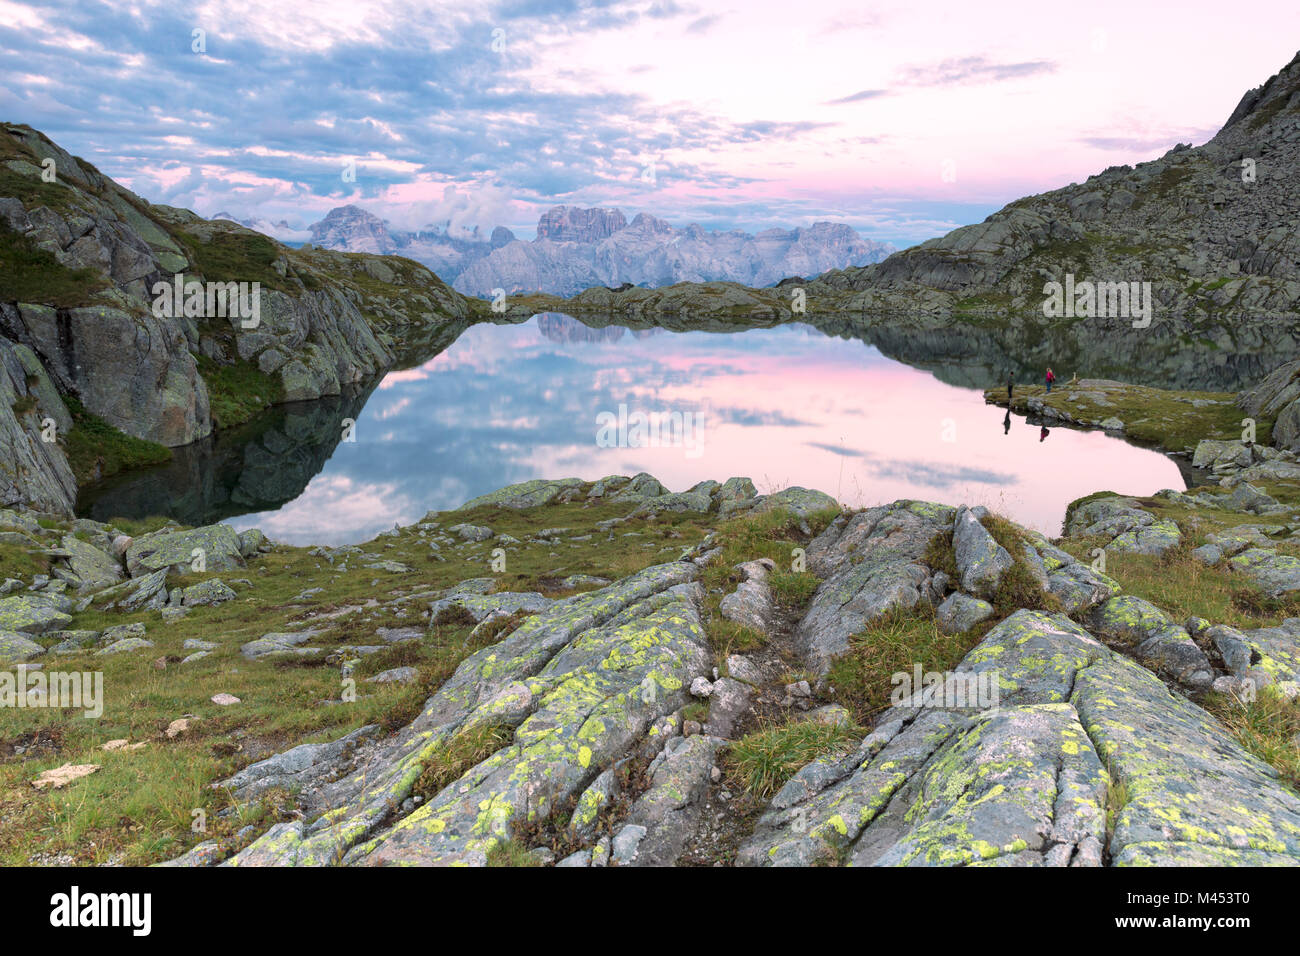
(753, 114)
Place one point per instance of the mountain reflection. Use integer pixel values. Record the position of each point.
(832, 407)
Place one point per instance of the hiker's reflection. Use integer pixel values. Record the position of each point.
(1042, 435)
(1006, 423)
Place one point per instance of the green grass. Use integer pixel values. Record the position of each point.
(96, 449)
(773, 534)
(1267, 727)
(1018, 587)
(239, 391)
(894, 644)
(237, 256)
(463, 751)
(1184, 587)
(136, 809)
(1168, 420)
(511, 853)
(764, 761)
(29, 274)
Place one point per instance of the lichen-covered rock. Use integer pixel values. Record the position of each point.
(16, 648)
(960, 612)
(207, 593)
(1080, 588)
(1154, 539)
(871, 564)
(1154, 639)
(1077, 728)
(303, 766)
(252, 542)
(475, 598)
(581, 682)
(1276, 574)
(527, 494)
(661, 821)
(640, 487)
(981, 561)
(214, 548)
(801, 502)
(751, 603)
(1267, 655)
(148, 592)
(33, 613)
(87, 568)
(125, 646)
(33, 472)
(281, 643)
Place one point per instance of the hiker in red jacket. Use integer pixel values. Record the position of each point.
(1051, 378)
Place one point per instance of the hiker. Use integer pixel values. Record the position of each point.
(1051, 378)
(1011, 383)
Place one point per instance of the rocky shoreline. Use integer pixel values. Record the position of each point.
(608, 673)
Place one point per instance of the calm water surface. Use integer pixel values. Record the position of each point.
(506, 403)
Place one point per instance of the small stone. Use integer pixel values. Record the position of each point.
(178, 727)
(799, 688)
(700, 687)
(224, 700)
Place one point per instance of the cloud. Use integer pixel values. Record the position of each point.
(972, 69)
(858, 97)
(939, 474)
(703, 24)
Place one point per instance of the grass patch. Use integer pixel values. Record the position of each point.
(1168, 420)
(1018, 586)
(463, 751)
(1184, 587)
(511, 853)
(778, 535)
(96, 449)
(29, 274)
(238, 391)
(763, 761)
(237, 256)
(862, 676)
(1266, 726)
(793, 589)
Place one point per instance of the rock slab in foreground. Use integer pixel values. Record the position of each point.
(1029, 782)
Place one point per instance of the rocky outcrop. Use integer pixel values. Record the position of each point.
(1209, 227)
(871, 564)
(320, 321)
(579, 684)
(33, 471)
(605, 728)
(1278, 397)
(1078, 732)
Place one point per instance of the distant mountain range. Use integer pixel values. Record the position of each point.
(577, 248)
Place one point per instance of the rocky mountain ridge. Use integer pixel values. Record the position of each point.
(1212, 228)
(579, 248)
(80, 317)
